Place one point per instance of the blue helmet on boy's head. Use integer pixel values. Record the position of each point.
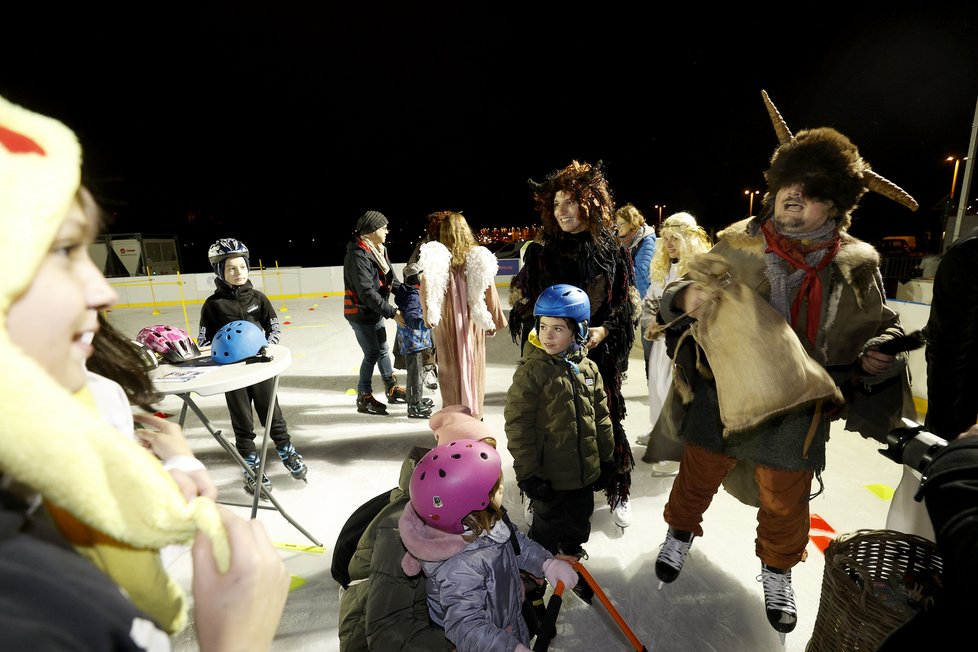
(237, 341)
(564, 300)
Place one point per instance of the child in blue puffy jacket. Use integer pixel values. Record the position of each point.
(414, 339)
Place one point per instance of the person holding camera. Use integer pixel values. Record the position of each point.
(950, 493)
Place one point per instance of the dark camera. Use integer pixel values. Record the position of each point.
(910, 444)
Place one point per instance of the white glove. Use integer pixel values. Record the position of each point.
(521, 648)
(558, 570)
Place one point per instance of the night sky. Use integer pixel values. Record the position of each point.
(282, 128)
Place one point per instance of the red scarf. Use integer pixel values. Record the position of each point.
(793, 251)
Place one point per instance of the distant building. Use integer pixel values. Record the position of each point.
(135, 254)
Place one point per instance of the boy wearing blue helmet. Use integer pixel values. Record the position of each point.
(235, 299)
(558, 427)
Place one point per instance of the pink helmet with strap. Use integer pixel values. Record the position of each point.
(452, 481)
(169, 342)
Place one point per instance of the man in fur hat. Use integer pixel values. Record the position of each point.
(798, 256)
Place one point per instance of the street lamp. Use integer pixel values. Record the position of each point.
(659, 208)
(954, 178)
(750, 207)
(950, 198)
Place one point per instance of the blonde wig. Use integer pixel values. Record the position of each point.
(692, 240)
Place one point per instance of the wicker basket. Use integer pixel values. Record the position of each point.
(864, 588)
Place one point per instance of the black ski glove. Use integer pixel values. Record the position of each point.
(538, 489)
(607, 472)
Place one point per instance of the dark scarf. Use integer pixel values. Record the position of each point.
(794, 252)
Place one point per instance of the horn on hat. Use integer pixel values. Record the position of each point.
(780, 126)
(872, 180)
(888, 189)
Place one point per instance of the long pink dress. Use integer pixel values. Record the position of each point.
(460, 344)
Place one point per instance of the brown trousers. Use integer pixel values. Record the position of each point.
(782, 519)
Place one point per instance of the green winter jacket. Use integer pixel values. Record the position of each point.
(383, 609)
(557, 422)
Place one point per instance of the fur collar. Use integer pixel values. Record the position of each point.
(424, 542)
(854, 254)
(480, 272)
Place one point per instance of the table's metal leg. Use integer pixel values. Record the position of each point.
(226, 445)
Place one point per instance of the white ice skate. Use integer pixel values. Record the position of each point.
(623, 515)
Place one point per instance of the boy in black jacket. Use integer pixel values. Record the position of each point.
(236, 299)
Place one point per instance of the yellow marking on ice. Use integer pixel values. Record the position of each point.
(316, 550)
(295, 582)
(351, 392)
(881, 491)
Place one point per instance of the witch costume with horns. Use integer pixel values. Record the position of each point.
(595, 261)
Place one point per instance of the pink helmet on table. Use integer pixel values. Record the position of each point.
(452, 481)
(169, 342)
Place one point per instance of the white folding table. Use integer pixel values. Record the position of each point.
(207, 378)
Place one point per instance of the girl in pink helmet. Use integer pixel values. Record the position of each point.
(458, 534)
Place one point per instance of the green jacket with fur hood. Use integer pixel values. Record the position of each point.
(557, 422)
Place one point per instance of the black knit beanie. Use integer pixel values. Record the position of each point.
(370, 222)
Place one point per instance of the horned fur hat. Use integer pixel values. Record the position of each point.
(828, 166)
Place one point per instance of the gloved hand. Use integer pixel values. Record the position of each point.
(521, 648)
(607, 472)
(877, 366)
(538, 489)
(558, 570)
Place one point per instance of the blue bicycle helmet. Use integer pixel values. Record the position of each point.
(237, 341)
(564, 300)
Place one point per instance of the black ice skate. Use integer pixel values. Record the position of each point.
(779, 599)
(395, 393)
(672, 554)
(418, 410)
(293, 462)
(367, 404)
(253, 462)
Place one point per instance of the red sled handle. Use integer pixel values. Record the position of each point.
(637, 644)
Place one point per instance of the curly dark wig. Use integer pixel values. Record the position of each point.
(588, 185)
(826, 164)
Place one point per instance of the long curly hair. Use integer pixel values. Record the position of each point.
(587, 184)
(452, 230)
(692, 240)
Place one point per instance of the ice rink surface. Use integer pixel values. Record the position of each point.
(716, 604)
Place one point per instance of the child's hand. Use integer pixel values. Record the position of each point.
(558, 570)
(167, 442)
(538, 489)
(241, 609)
(164, 438)
(607, 472)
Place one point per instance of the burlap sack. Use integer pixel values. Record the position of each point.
(760, 367)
